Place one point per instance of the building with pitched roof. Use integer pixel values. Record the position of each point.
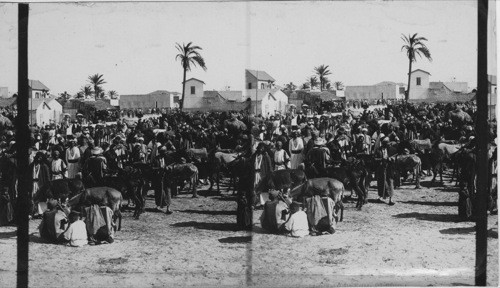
(255, 79)
(37, 89)
(44, 111)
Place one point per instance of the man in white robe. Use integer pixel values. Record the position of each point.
(296, 147)
(73, 158)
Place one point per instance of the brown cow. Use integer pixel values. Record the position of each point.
(409, 163)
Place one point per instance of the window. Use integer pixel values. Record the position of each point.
(419, 81)
(262, 86)
(37, 95)
(193, 90)
(249, 85)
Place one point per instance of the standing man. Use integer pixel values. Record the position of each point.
(296, 147)
(261, 165)
(57, 166)
(385, 173)
(73, 158)
(40, 176)
(163, 195)
(95, 167)
(281, 157)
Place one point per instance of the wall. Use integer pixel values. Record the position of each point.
(419, 92)
(372, 92)
(146, 101)
(193, 100)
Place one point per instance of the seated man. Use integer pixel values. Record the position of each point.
(297, 226)
(53, 222)
(321, 215)
(76, 233)
(99, 224)
(274, 215)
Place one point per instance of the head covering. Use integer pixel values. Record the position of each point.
(96, 150)
(319, 141)
(295, 205)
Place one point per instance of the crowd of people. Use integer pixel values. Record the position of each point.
(300, 139)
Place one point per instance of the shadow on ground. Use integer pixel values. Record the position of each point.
(208, 226)
(210, 212)
(430, 203)
(10, 234)
(467, 230)
(235, 240)
(430, 217)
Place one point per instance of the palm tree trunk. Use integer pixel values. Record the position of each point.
(407, 96)
(183, 89)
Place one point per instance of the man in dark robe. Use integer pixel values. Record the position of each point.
(162, 190)
(318, 158)
(261, 166)
(95, 167)
(40, 177)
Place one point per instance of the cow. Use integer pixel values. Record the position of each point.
(61, 189)
(132, 181)
(102, 196)
(282, 180)
(178, 173)
(328, 187)
(409, 163)
(354, 176)
(220, 161)
(420, 146)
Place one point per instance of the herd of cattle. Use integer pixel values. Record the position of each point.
(354, 173)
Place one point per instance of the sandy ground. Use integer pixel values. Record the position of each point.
(417, 242)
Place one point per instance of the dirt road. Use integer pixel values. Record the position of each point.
(417, 242)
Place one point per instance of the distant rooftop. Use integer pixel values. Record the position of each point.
(261, 75)
(37, 85)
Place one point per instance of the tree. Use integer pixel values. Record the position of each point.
(188, 55)
(304, 86)
(96, 81)
(290, 86)
(112, 94)
(322, 71)
(86, 91)
(339, 85)
(414, 46)
(313, 82)
(65, 95)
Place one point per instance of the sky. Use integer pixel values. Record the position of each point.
(133, 44)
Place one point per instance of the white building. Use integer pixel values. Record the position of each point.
(44, 111)
(193, 93)
(255, 79)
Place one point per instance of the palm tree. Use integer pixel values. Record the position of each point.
(112, 94)
(96, 81)
(339, 85)
(65, 95)
(304, 86)
(290, 86)
(188, 55)
(414, 46)
(86, 91)
(313, 82)
(322, 71)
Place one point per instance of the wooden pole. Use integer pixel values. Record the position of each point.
(22, 144)
(482, 143)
